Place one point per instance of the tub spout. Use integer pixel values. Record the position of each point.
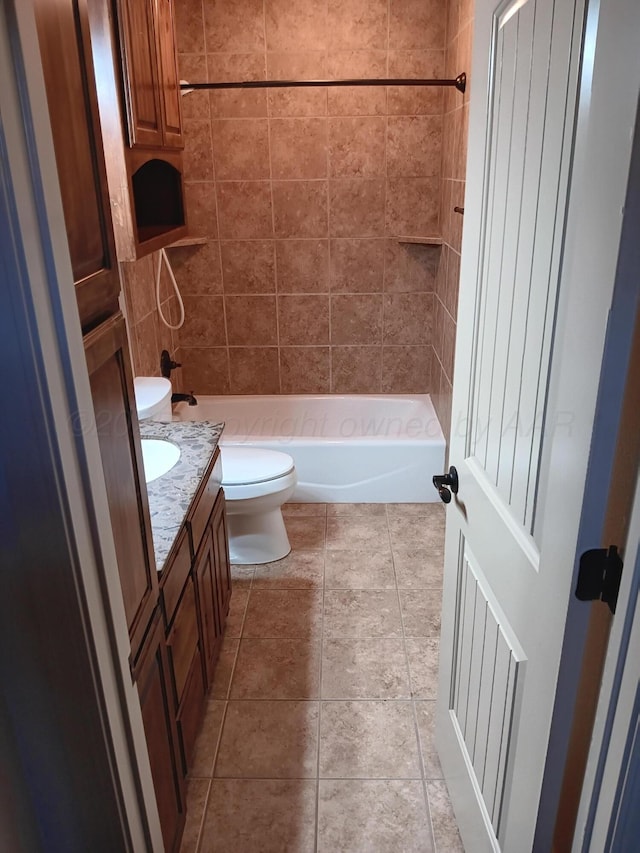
(184, 398)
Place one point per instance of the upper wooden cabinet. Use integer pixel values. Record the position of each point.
(63, 34)
(140, 112)
(150, 73)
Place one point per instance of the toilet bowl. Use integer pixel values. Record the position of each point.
(256, 483)
(153, 398)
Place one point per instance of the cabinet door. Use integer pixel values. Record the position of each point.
(221, 559)
(141, 78)
(65, 48)
(109, 366)
(153, 682)
(210, 626)
(168, 73)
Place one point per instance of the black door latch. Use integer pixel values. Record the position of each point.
(599, 576)
(444, 482)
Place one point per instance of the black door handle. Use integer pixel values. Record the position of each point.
(444, 482)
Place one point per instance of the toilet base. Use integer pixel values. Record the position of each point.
(257, 537)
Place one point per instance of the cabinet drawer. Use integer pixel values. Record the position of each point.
(190, 713)
(183, 640)
(202, 512)
(176, 576)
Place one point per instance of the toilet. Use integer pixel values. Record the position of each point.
(256, 483)
(153, 398)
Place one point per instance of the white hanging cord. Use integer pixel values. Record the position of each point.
(163, 258)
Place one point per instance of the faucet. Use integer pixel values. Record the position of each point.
(184, 398)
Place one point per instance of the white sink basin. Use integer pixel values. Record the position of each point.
(158, 457)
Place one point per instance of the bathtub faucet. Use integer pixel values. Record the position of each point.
(184, 398)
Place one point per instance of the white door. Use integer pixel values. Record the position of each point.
(549, 146)
(613, 773)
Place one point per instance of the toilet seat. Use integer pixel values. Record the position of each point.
(245, 466)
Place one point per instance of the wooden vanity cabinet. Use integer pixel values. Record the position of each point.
(153, 677)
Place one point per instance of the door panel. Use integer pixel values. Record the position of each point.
(144, 113)
(503, 605)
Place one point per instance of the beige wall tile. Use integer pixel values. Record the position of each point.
(203, 321)
(200, 202)
(251, 320)
(229, 103)
(357, 266)
(408, 318)
(298, 102)
(358, 23)
(254, 370)
(198, 156)
(297, 65)
(189, 26)
(222, 29)
(147, 346)
(357, 147)
(356, 63)
(356, 370)
(357, 100)
(245, 210)
(415, 100)
(303, 320)
(193, 67)
(241, 149)
(300, 208)
(296, 25)
(305, 370)
(302, 266)
(356, 319)
(416, 24)
(248, 266)
(205, 370)
(406, 370)
(413, 207)
(414, 146)
(410, 267)
(197, 268)
(298, 148)
(356, 207)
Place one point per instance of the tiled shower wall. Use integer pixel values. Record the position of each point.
(301, 286)
(454, 153)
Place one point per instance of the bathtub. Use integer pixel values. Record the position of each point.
(347, 449)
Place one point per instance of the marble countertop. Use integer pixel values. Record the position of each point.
(170, 496)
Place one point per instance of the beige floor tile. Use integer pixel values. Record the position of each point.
(364, 669)
(277, 669)
(426, 716)
(299, 570)
(356, 509)
(224, 668)
(307, 534)
(419, 568)
(372, 740)
(432, 509)
(353, 533)
(241, 576)
(443, 820)
(421, 611)
(304, 510)
(273, 740)
(269, 816)
(361, 614)
(358, 815)
(359, 570)
(416, 531)
(235, 617)
(423, 667)
(292, 614)
(204, 752)
(197, 791)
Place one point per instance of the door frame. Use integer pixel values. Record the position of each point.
(616, 31)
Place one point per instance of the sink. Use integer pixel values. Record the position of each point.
(158, 457)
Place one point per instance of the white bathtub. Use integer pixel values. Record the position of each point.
(347, 449)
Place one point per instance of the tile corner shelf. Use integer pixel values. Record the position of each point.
(421, 241)
(188, 241)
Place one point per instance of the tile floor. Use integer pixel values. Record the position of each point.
(318, 733)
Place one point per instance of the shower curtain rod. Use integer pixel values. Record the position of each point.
(459, 82)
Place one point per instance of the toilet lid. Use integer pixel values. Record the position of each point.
(244, 465)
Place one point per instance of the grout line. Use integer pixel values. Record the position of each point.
(199, 837)
(317, 816)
